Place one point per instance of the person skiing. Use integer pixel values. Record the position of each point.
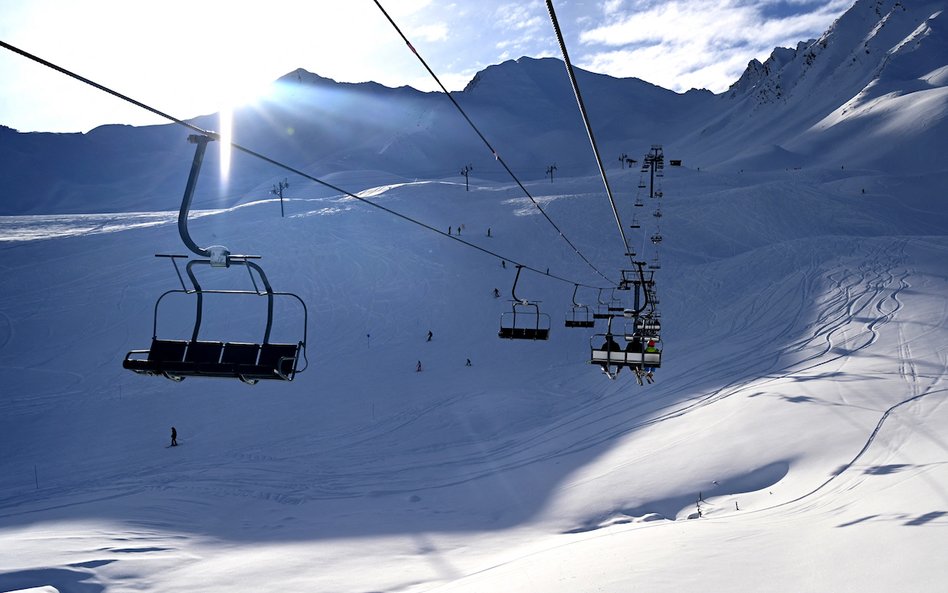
(449, 229)
(174, 437)
(468, 363)
(648, 370)
(610, 346)
(418, 367)
(634, 349)
(496, 294)
(430, 335)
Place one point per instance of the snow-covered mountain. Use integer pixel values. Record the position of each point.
(793, 439)
(871, 92)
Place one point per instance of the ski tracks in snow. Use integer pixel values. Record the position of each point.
(881, 291)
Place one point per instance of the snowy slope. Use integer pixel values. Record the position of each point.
(805, 324)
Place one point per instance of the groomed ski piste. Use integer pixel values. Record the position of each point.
(799, 407)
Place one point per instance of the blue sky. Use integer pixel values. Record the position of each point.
(188, 58)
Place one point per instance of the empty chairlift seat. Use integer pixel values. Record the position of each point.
(177, 359)
(164, 357)
(524, 322)
(579, 316)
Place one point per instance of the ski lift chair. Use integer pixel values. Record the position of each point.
(606, 353)
(652, 359)
(249, 362)
(524, 321)
(636, 356)
(579, 315)
(602, 309)
(648, 326)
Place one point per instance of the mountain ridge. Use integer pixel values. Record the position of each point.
(879, 71)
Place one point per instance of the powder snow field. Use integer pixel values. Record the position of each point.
(801, 397)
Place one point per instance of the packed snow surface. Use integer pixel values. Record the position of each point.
(799, 405)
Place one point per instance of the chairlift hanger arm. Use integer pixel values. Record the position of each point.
(599, 298)
(513, 289)
(218, 254)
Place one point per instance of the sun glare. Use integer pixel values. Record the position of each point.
(226, 127)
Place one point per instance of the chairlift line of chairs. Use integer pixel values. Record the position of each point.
(251, 362)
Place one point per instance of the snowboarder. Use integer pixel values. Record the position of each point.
(468, 363)
(496, 294)
(430, 335)
(174, 437)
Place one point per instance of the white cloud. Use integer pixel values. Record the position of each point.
(682, 44)
(517, 17)
(432, 32)
(610, 7)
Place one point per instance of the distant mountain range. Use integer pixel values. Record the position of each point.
(872, 92)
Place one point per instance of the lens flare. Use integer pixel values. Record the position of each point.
(226, 127)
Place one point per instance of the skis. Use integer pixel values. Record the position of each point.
(639, 375)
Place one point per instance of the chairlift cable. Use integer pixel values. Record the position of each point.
(494, 153)
(284, 166)
(585, 115)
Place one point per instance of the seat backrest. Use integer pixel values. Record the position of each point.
(167, 350)
(240, 353)
(204, 352)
